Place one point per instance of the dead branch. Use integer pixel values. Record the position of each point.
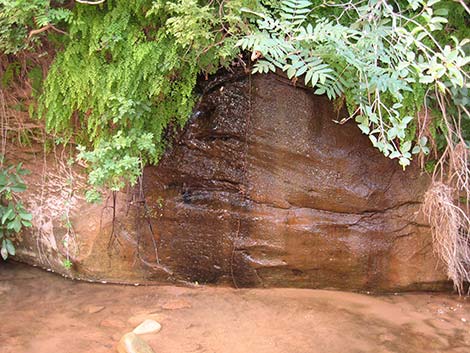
(43, 29)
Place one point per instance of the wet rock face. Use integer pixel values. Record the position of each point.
(263, 188)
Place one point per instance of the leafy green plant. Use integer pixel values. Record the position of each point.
(13, 215)
(23, 21)
(384, 58)
(127, 75)
(67, 264)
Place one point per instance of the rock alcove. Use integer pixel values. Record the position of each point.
(261, 189)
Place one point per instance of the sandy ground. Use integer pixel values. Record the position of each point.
(41, 312)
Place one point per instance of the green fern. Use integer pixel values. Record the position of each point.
(295, 12)
(18, 18)
(128, 72)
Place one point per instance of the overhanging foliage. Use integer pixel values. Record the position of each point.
(125, 73)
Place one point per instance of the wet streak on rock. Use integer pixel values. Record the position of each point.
(202, 180)
(273, 192)
(263, 188)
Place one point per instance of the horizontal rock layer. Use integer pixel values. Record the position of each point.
(262, 188)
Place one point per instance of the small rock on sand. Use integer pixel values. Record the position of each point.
(93, 309)
(148, 326)
(131, 343)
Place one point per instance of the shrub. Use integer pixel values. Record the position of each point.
(13, 215)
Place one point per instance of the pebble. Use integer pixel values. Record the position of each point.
(131, 343)
(385, 337)
(93, 309)
(148, 326)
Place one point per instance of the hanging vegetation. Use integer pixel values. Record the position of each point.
(125, 73)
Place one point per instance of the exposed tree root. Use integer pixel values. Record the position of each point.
(450, 231)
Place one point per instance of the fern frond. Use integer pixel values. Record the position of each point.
(295, 11)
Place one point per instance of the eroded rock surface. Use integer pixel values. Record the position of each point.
(262, 188)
